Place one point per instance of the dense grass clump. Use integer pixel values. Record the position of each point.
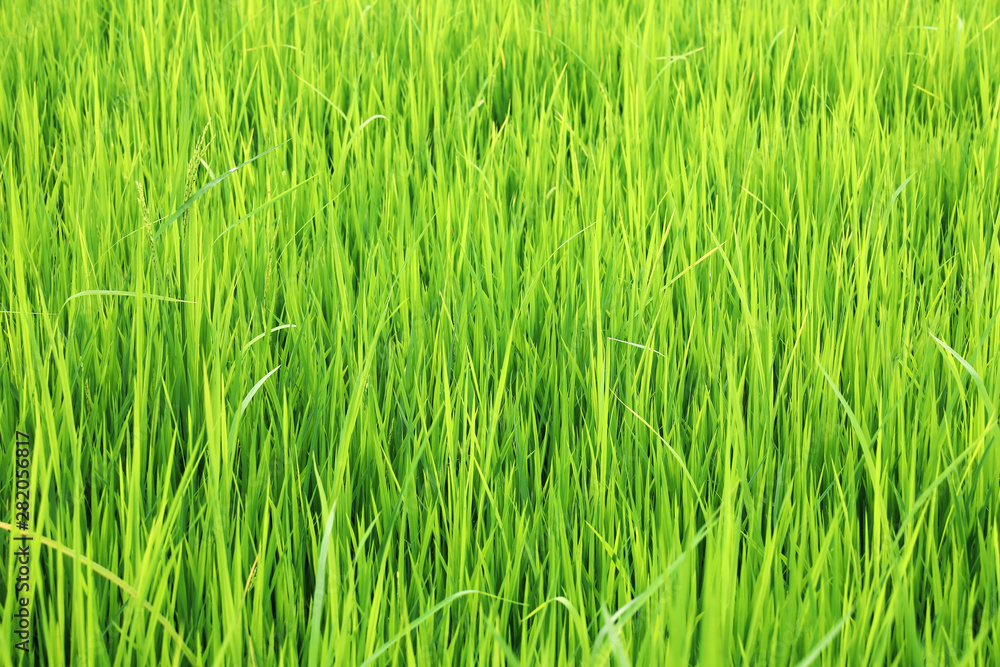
(546, 332)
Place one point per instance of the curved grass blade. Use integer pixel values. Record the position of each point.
(980, 385)
(117, 581)
(354, 136)
(899, 191)
(264, 333)
(859, 431)
(641, 347)
(246, 402)
(208, 186)
(575, 616)
(673, 452)
(413, 624)
(325, 98)
(115, 292)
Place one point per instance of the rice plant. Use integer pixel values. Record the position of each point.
(546, 332)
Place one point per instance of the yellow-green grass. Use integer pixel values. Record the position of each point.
(549, 332)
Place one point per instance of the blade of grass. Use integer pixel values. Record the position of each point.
(200, 192)
(107, 574)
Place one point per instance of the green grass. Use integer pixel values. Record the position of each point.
(545, 332)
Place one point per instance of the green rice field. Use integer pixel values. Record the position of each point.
(543, 332)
